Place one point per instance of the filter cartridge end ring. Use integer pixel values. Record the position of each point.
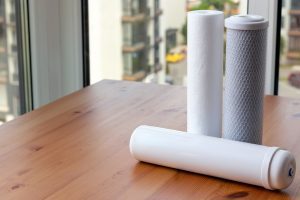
(246, 22)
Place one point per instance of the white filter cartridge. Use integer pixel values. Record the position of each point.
(259, 165)
(205, 72)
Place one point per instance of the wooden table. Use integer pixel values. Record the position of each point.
(77, 147)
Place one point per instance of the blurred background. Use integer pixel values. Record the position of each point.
(50, 48)
(152, 35)
(9, 80)
(289, 73)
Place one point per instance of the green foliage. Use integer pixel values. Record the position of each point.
(212, 4)
(282, 44)
(205, 5)
(184, 32)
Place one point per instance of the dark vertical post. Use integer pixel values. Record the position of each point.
(277, 53)
(85, 42)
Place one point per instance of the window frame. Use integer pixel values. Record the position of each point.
(269, 10)
(85, 42)
(24, 56)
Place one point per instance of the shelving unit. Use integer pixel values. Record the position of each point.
(9, 81)
(141, 38)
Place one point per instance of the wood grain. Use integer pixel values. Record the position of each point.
(77, 147)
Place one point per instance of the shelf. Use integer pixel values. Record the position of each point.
(3, 80)
(134, 18)
(294, 33)
(293, 54)
(135, 77)
(294, 12)
(134, 48)
(2, 50)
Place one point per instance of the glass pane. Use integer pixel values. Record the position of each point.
(289, 71)
(144, 40)
(9, 75)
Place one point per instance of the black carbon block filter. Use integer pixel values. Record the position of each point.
(244, 78)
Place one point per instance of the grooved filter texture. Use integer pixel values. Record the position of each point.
(244, 85)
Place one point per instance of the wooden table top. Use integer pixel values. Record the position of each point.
(77, 147)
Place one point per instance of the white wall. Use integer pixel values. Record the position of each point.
(174, 16)
(105, 40)
(243, 6)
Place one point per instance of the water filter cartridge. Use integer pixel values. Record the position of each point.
(205, 72)
(244, 78)
(259, 165)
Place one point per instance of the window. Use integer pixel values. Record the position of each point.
(289, 50)
(144, 40)
(12, 92)
(15, 74)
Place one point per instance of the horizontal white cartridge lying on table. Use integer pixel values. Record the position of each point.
(269, 167)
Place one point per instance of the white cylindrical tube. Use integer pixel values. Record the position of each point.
(259, 165)
(205, 72)
(245, 78)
